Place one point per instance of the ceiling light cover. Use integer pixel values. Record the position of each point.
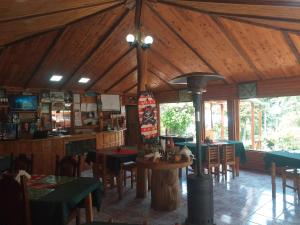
(84, 80)
(148, 40)
(130, 38)
(56, 78)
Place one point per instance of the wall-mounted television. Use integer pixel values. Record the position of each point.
(23, 102)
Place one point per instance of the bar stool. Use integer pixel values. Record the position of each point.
(212, 159)
(228, 159)
(295, 175)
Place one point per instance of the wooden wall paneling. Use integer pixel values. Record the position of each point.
(200, 32)
(270, 52)
(167, 97)
(126, 83)
(170, 46)
(18, 29)
(277, 12)
(121, 79)
(17, 62)
(15, 10)
(72, 77)
(114, 46)
(123, 66)
(76, 43)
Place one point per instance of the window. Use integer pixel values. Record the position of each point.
(216, 120)
(177, 119)
(270, 123)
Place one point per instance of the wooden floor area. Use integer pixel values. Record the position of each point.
(245, 200)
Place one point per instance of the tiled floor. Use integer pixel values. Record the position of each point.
(245, 200)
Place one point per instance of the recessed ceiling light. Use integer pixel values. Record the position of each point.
(56, 78)
(84, 80)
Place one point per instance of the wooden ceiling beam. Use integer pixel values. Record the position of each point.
(257, 2)
(129, 89)
(109, 68)
(161, 79)
(166, 60)
(291, 45)
(60, 26)
(96, 47)
(184, 41)
(46, 53)
(57, 10)
(234, 42)
(121, 79)
(275, 12)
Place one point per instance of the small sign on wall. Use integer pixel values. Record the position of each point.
(247, 90)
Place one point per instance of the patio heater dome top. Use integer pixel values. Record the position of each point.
(196, 81)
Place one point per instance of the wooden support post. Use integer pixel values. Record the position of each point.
(273, 175)
(259, 128)
(89, 208)
(222, 120)
(237, 166)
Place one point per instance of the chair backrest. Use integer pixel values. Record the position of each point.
(228, 153)
(213, 154)
(68, 166)
(14, 204)
(22, 162)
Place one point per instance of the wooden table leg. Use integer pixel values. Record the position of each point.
(141, 182)
(89, 208)
(120, 184)
(273, 175)
(165, 195)
(237, 166)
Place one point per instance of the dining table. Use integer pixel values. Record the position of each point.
(280, 158)
(52, 198)
(115, 158)
(240, 151)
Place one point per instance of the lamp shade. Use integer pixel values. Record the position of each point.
(196, 81)
(130, 38)
(148, 40)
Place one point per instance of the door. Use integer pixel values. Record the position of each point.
(132, 125)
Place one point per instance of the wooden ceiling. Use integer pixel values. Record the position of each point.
(243, 40)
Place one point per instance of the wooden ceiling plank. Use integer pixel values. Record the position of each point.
(39, 64)
(96, 47)
(33, 31)
(184, 41)
(291, 45)
(166, 60)
(129, 89)
(259, 2)
(267, 23)
(237, 46)
(121, 79)
(281, 13)
(57, 10)
(161, 79)
(109, 68)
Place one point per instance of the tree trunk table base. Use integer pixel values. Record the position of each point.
(165, 190)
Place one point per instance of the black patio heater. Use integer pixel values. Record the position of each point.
(199, 185)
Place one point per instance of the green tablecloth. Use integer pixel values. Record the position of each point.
(239, 148)
(54, 206)
(5, 163)
(282, 158)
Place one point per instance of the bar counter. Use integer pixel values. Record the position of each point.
(45, 150)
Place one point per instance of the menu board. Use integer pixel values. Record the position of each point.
(110, 102)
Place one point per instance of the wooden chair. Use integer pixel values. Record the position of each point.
(22, 162)
(228, 159)
(100, 170)
(14, 204)
(131, 168)
(295, 175)
(69, 166)
(213, 160)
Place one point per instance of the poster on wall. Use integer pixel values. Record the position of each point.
(147, 116)
(110, 103)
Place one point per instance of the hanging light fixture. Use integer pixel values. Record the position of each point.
(199, 185)
(134, 41)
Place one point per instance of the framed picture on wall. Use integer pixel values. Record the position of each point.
(57, 96)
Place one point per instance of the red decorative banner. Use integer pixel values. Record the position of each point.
(147, 115)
